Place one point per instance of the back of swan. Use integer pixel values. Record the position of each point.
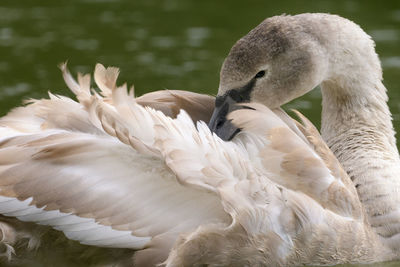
(111, 173)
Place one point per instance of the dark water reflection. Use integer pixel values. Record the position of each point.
(161, 44)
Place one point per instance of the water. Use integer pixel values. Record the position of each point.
(161, 44)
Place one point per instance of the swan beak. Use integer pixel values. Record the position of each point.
(219, 124)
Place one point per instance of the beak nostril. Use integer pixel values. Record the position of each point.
(220, 123)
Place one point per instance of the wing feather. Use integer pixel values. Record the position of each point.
(322, 149)
(289, 158)
(171, 102)
(112, 190)
(70, 173)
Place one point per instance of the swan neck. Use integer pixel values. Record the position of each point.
(357, 126)
(359, 105)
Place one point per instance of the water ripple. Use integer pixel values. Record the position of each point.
(385, 35)
(163, 41)
(197, 35)
(17, 89)
(86, 44)
(391, 62)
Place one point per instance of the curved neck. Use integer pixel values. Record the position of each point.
(357, 126)
(360, 105)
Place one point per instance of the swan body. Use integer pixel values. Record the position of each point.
(107, 152)
(109, 172)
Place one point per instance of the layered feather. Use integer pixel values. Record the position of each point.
(86, 170)
(109, 172)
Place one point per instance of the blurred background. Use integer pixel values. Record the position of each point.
(162, 44)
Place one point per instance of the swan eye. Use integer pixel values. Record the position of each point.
(260, 74)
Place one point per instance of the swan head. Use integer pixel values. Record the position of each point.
(283, 58)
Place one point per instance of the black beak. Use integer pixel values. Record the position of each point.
(219, 124)
(225, 104)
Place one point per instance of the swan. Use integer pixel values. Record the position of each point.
(113, 171)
